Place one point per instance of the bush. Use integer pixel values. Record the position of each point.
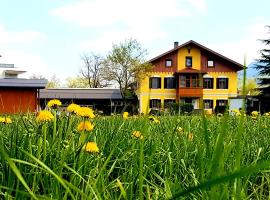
(156, 112)
(185, 108)
(220, 109)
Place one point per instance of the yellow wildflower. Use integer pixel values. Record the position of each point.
(85, 112)
(254, 117)
(190, 136)
(179, 129)
(85, 126)
(72, 108)
(235, 111)
(54, 103)
(44, 115)
(137, 134)
(154, 119)
(255, 113)
(91, 147)
(125, 115)
(5, 120)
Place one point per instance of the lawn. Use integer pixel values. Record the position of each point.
(66, 156)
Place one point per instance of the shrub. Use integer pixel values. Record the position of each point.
(220, 109)
(185, 108)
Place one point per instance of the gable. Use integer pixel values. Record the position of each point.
(226, 63)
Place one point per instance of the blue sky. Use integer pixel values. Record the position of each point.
(48, 37)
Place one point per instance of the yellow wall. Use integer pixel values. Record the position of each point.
(216, 94)
(145, 94)
(195, 53)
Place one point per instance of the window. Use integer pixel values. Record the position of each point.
(222, 83)
(182, 81)
(168, 63)
(169, 83)
(210, 63)
(188, 61)
(208, 104)
(222, 102)
(168, 102)
(208, 83)
(188, 81)
(155, 103)
(155, 82)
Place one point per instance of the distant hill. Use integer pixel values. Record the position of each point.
(251, 71)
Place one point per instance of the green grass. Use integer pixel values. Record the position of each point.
(227, 158)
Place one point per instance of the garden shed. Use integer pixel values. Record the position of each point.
(20, 95)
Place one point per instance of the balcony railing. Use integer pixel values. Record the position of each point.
(190, 92)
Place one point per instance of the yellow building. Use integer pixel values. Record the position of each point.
(189, 73)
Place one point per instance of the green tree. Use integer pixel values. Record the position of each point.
(251, 87)
(125, 65)
(263, 67)
(53, 82)
(77, 82)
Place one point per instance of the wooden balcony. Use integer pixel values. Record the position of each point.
(190, 92)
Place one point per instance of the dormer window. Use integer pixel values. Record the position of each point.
(210, 63)
(168, 63)
(188, 61)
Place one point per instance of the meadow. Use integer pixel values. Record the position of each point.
(77, 155)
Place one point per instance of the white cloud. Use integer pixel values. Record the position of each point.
(18, 37)
(11, 43)
(199, 5)
(105, 41)
(131, 13)
(248, 45)
(122, 19)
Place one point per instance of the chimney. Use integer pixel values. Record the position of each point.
(175, 44)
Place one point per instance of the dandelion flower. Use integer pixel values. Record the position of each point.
(125, 115)
(85, 112)
(254, 117)
(72, 108)
(44, 115)
(54, 103)
(154, 119)
(179, 129)
(255, 113)
(5, 120)
(137, 134)
(190, 136)
(91, 147)
(85, 126)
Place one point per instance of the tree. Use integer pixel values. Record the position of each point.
(53, 82)
(263, 67)
(125, 65)
(251, 87)
(92, 70)
(77, 82)
(37, 76)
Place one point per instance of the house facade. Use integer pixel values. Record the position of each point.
(189, 73)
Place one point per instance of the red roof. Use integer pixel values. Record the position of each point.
(238, 65)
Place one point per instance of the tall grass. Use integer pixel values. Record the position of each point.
(201, 161)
